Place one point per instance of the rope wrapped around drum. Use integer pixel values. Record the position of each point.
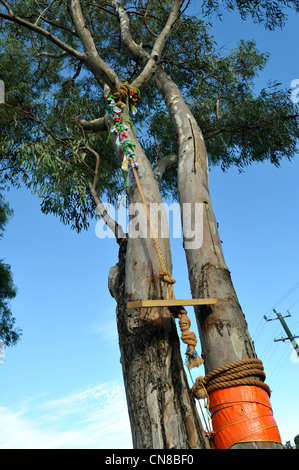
(239, 404)
(231, 375)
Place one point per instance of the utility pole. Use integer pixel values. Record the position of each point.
(286, 329)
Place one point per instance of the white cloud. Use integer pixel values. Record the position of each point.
(96, 418)
(106, 330)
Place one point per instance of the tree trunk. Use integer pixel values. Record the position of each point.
(161, 407)
(222, 327)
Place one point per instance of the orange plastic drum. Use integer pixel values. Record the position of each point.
(242, 414)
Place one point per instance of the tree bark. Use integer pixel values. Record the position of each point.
(162, 410)
(222, 327)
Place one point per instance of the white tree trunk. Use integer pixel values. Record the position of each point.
(222, 327)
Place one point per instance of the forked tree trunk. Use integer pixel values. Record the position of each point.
(222, 327)
(162, 410)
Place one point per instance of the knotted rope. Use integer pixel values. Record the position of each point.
(121, 95)
(231, 375)
(188, 337)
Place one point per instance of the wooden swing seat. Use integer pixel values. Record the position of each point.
(170, 303)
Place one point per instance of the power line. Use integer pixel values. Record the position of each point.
(255, 335)
(270, 343)
(273, 374)
(289, 292)
(290, 336)
(294, 325)
(286, 295)
(293, 305)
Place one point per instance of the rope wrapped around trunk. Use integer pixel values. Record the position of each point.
(121, 95)
(231, 375)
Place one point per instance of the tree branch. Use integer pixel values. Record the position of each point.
(59, 26)
(97, 165)
(92, 59)
(150, 61)
(100, 209)
(145, 22)
(112, 224)
(33, 117)
(151, 65)
(101, 7)
(42, 13)
(43, 32)
(7, 6)
(61, 56)
(136, 52)
(292, 116)
(163, 164)
(81, 28)
(102, 72)
(96, 125)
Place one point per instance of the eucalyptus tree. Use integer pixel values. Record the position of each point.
(66, 130)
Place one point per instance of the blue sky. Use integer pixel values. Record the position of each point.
(61, 386)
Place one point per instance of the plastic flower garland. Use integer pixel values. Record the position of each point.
(119, 129)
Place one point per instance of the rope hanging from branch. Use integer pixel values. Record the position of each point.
(115, 105)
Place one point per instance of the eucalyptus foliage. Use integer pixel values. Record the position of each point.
(48, 90)
(9, 333)
(270, 13)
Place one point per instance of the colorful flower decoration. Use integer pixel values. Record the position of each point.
(123, 135)
(119, 129)
(133, 95)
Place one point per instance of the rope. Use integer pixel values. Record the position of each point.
(165, 274)
(188, 337)
(128, 146)
(231, 375)
(121, 95)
